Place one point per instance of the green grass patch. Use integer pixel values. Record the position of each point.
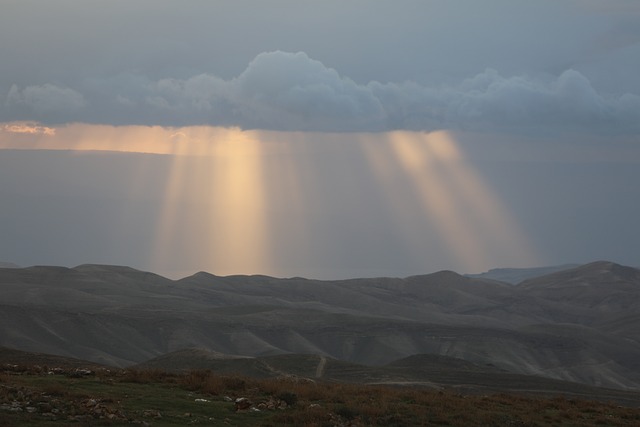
(159, 399)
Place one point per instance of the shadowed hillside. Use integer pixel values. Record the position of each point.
(578, 325)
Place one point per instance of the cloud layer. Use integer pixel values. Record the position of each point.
(293, 92)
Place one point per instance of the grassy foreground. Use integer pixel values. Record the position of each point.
(38, 396)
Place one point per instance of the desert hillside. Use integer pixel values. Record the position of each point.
(577, 325)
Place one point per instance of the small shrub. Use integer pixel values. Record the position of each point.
(234, 383)
(213, 385)
(346, 413)
(194, 380)
(55, 389)
(145, 376)
(289, 397)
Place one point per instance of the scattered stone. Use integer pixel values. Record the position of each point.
(45, 407)
(243, 404)
(15, 406)
(80, 372)
(151, 413)
(272, 404)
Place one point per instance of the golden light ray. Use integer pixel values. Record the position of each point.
(394, 182)
(499, 227)
(176, 198)
(472, 222)
(230, 199)
(240, 239)
(287, 213)
(215, 193)
(214, 204)
(438, 198)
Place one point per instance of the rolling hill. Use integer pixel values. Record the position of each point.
(577, 325)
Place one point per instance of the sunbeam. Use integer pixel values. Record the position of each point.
(471, 221)
(214, 206)
(264, 202)
(437, 198)
(485, 209)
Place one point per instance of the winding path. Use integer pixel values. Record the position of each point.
(320, 368)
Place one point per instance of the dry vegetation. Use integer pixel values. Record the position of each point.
(43, 396)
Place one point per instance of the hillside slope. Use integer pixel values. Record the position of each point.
(578, 325)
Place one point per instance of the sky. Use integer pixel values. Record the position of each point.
(328, 140)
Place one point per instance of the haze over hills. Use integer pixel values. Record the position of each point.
(517, 275)
(578, 324)
(4, 264)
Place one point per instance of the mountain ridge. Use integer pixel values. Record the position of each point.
(121, 316)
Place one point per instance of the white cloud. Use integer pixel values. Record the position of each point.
(279, 89)
(490, 101)
(290, 91)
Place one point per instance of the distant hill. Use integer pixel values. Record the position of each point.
(10, 356)
(8, 265)
(517, 275)
(579, 325)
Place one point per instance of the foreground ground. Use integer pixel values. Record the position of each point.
(38, 395)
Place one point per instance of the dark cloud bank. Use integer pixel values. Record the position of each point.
(290, 91)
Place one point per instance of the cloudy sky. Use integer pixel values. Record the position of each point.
(322, 139)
